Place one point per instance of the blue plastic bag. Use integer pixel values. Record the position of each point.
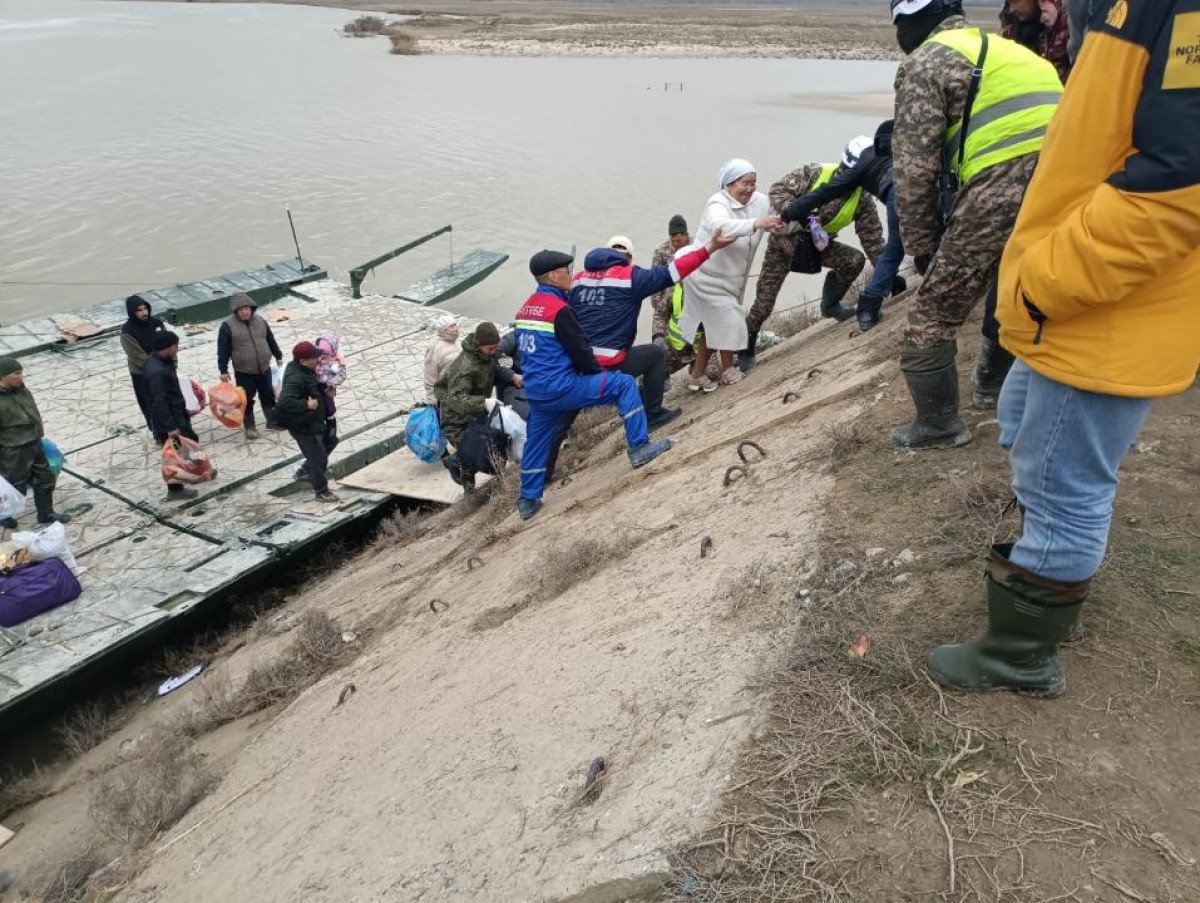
(54, 455)
(423, 434)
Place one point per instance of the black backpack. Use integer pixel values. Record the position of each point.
(483, 445)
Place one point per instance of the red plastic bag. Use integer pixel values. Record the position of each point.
(228, 404)
(184, 461)
(193, 395)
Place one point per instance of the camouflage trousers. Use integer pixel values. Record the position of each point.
(968, 259)
(845, 261)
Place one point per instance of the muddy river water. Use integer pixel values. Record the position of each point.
(147, 143)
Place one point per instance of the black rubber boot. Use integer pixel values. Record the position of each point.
(868, 311)
(43, 500)
(745, 358)
(988, 378)
(933, 383)
(832, 294)
(1029, 616)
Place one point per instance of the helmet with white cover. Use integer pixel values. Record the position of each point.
(854, 149)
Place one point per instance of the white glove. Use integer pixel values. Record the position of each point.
(490, 403)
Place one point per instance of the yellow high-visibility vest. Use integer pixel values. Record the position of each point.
(845, 214)
(674, 336)
(1018, 94)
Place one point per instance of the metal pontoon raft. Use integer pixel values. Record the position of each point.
(469, 270)
(148, 563)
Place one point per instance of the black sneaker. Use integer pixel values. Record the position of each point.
(662, 417)
(327, 496)
(180, 495)
(301, 474)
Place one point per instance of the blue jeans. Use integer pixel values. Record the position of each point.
(1066, 446)
(586, 391)
(889, 261)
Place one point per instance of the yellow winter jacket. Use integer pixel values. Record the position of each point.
(1100, 281)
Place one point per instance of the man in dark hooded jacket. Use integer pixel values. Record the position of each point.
(137, 341)
(168, 411)
(246, 341)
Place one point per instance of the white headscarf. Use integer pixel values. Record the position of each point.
(446, 326)
(733, 170)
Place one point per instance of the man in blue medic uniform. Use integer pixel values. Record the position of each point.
(562, 376)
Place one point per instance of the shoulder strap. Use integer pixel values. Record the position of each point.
(972, 91)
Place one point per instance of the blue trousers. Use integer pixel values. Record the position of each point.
(889, 261)
(584, 392)
(1065, 447)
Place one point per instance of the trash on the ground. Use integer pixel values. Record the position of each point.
(6, 834)
(876, 552)
(281, 315)
(966, 778)
(907, 556)
(174, 683)
(349, 636)
(597, 769)
(860, 648)
(194, 328)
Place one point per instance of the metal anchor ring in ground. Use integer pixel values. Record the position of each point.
(741, 450)
(473, 562)
(437, 605)
(731, 471)
(789, 397)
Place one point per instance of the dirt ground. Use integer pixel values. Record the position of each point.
(536, 28)
(689, 624)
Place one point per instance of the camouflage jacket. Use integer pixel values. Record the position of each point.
(661, 303)
(800, 182)
(931, 93)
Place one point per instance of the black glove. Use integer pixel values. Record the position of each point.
(791, 212)
(899, 284)
(921, 262)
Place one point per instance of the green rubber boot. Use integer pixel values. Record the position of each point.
(932, 379)
(1028, 617)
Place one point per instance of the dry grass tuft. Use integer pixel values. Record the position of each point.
(975, 521)
(316, 650)
(794, 320)
(19, 791)
(563, 566)
(401, 529)
(842, 440)
(150, 794)
(84, 728)
(69, 884)
(403, 43)
(364, 27)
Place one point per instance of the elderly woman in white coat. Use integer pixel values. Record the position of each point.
(441, 353)
(714, 292)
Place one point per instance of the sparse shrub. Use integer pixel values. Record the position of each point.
(794, 320)
(364, 27)
(83, 729)
(153, 792)
(19, 791)
(563, 566)
(69, 884)
(843, 439)
(403, 43)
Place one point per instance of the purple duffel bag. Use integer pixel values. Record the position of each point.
(35, 588)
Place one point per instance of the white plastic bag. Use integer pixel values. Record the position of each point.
(193, 402)
(12, 503)
(276, 377)
(515, 427)
(48, 542)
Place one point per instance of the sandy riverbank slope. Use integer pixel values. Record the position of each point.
(756, 747)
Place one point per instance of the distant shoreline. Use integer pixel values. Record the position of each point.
(533, 28)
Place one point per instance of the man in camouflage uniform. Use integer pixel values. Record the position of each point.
(677, 237)
(960, 264)
(843, 262)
